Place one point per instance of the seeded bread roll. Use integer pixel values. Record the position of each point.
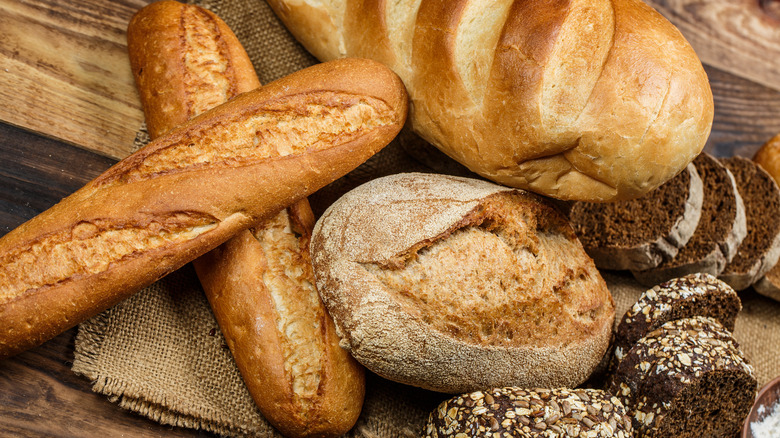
(524, 413)
(260, 283)
(720, 230)
(594, 100)
(455, 284)
(685, 297)
(190, 190)
(641, 233)
(686, 379)
(760, 250)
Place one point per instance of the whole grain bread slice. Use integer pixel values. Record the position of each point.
(760, 250)
(641, 233)
(697, 294)
(686, 379)
(721, 228)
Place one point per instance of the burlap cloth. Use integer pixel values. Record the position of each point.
(161, 354)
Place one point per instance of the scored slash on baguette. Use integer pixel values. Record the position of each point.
(160, 208)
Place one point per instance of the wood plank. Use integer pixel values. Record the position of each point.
(65, 68)
(741, 37)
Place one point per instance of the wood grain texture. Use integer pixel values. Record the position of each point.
(65, 69)
(741, 37)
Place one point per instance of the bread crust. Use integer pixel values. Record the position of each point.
(450, 340)
(151, 213)
(259, 283)
(581, 100)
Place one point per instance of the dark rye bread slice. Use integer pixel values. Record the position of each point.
(641, 233)
(686, 379)
(697, 294)
(760, 250)
(518, 412)
(721, 229)
(769, 284)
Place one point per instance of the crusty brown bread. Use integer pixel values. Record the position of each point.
(189, 191)
(455, 284)
(186, 60)
(580, 100)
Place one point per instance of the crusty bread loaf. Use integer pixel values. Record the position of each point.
(259, 283)
(582, 100)
(530, 413)
(454, 284)
(639, 234)
(189, 191)
(721, 228)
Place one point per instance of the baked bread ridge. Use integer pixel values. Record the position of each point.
(760, 250)
(259, 283)
(693, 295)
(684, 374)
(720, 230)
(520, 412)
(563, 69)
(151, 213)
(381, 251)
(638, 254)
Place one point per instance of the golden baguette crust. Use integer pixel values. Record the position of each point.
(581, 100)
(186, 60)
(455, 285)
(189, 191)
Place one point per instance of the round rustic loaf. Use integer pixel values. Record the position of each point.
(455, 284)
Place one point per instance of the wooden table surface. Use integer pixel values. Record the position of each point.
(69, 109)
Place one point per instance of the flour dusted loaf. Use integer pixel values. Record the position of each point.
(721, 228)
(455, 284)
(760, 249)
(523, 413)
(191, 190)
(685, 297)
(686, 379)
(596, 100)
(259, 283)
(640, 234)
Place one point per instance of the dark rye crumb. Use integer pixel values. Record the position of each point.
(686, 379)
(692, 295)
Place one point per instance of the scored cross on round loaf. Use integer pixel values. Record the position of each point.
(641, 233)
(526, 413)
(693, 295)
(455, 284)
(720, 230)
(686, 379)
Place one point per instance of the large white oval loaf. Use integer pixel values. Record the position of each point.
(455, 284)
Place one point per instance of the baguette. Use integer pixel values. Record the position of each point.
(189, 191)
(186, 60)
(592, 100)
